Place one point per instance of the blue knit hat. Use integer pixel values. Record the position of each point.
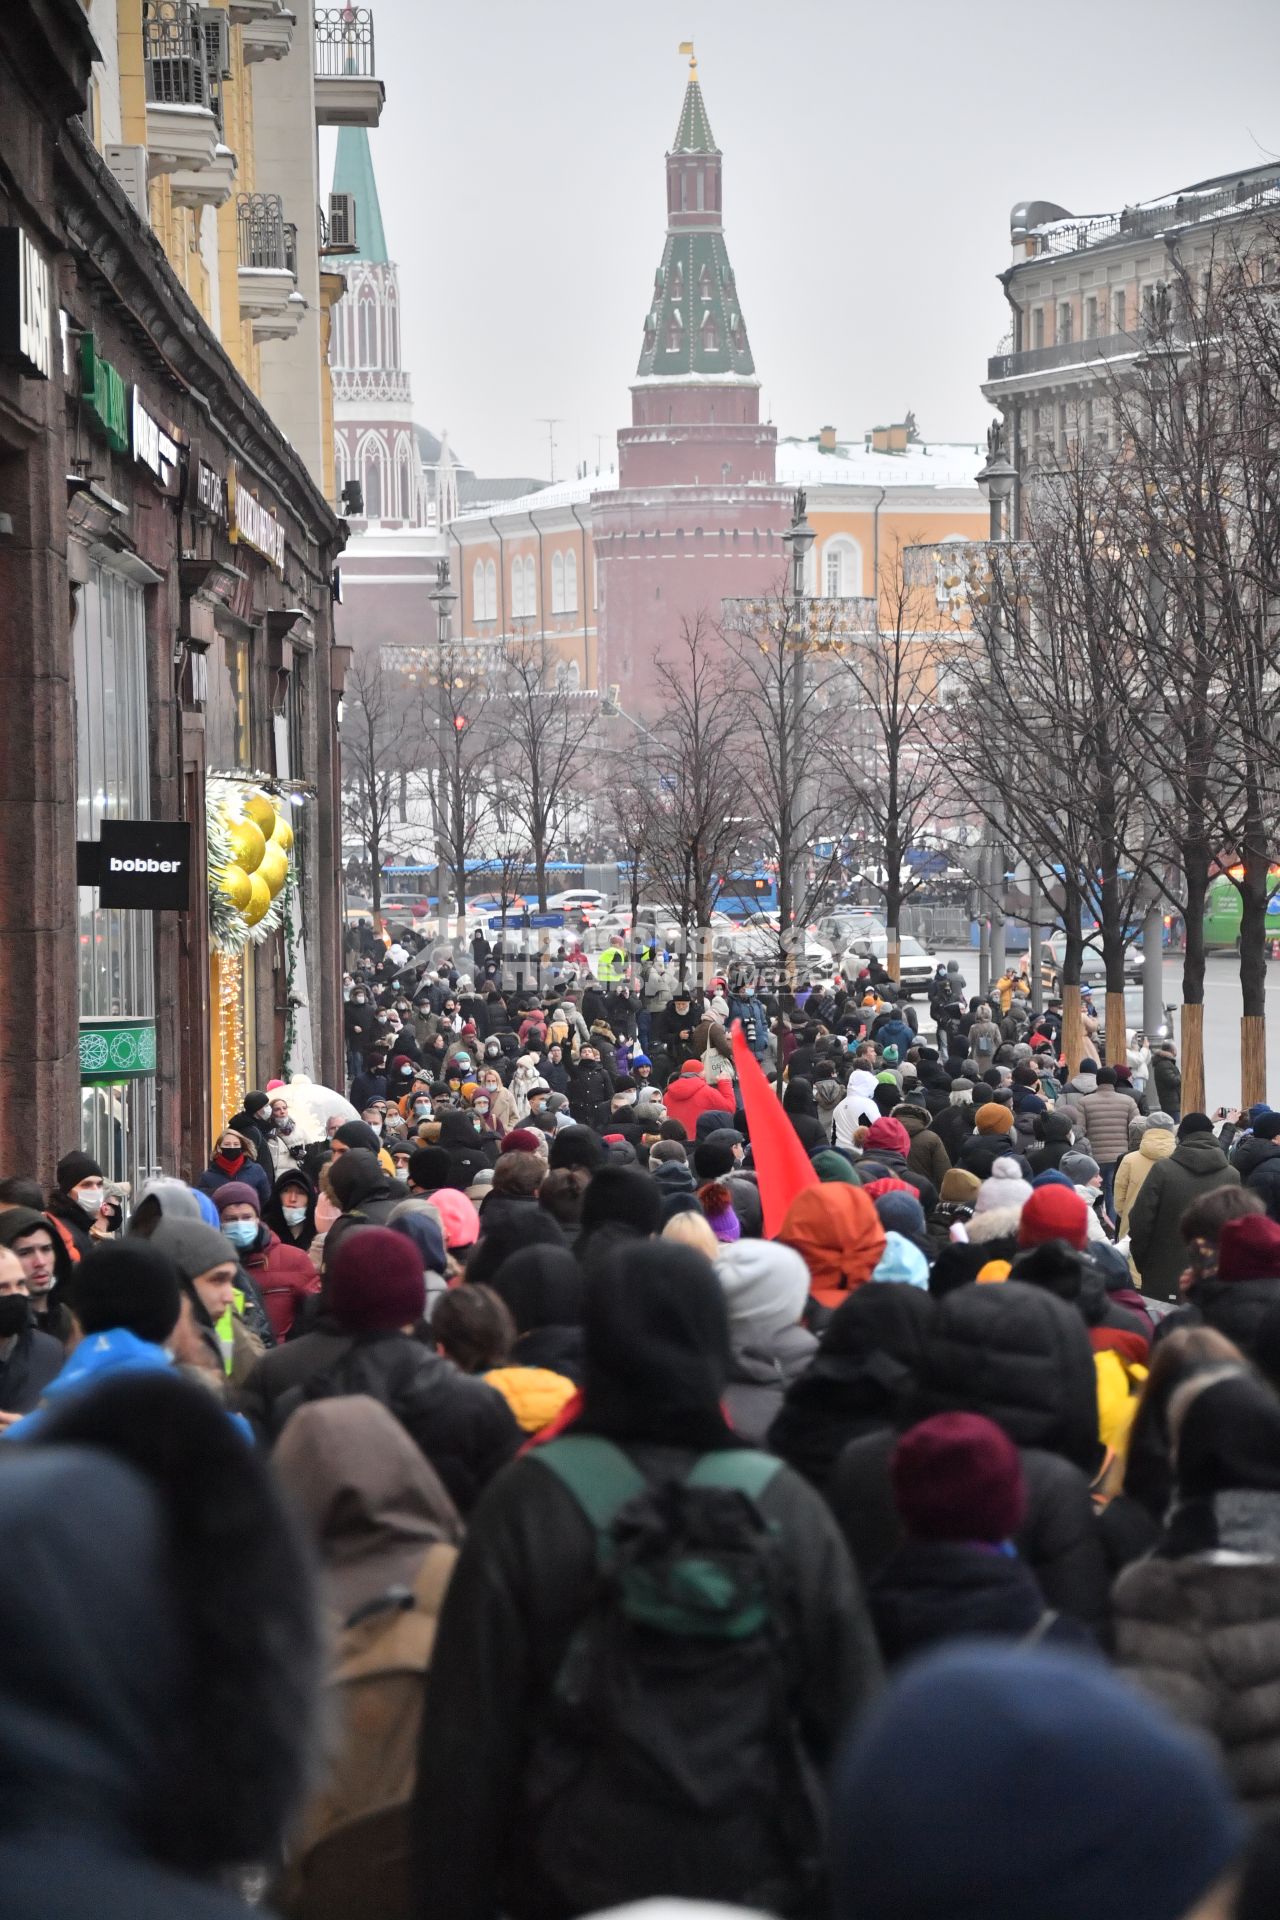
(1051, 1178)
(1004, 1785)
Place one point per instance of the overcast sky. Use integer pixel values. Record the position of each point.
(872, 154)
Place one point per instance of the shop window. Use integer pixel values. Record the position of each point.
(236, 655)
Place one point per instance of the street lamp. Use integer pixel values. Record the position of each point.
(997, 480)
(443, 597)
(799, 536)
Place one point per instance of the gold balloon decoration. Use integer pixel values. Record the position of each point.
(274, 869)
(248, 844)
(237, 886)
(282, 834)
(261, 810)
(259, 901)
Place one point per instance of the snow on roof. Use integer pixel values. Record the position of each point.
(802, 463)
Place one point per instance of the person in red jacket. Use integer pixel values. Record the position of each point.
(283, 1275)
(688, 1095)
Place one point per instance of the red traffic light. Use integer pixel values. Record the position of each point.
(459, 722)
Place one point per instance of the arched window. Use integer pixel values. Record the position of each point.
(530, 588)
(568, 676)
(477, 591)
(675, 332)
(557, 583)
(841, 568)
(710, 333)
(490, 590)
(392, 323)
(375, 479)
(571, 583)
(404, 480)
(368, 342)
(704, 283)
(517, 588)
(341, 463)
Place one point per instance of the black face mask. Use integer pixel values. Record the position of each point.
(15, 1314)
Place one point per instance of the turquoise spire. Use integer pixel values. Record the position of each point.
(353, 173)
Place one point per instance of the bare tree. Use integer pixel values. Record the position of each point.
(539, 732)
(458, 701)
(382, 752)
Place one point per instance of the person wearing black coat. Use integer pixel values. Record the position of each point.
(1256, 1159)
(858, 1382)
(1023, 1359)
(953, 1123)
(29, 1359)
(590, 1090)
(543, 1288)
(656, 1361)
(1057, 1133)
(375, 1293)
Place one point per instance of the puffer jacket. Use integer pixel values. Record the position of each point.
(1060, 1132)
(1107, 1114)
(1075, 1093)
(1235, 1308)
(857, 1109)
(1157, 1143)
(1201, 1632)
(927, 1154)
(534, 1394)
(1197, 1165)
(759, 1377)
(1258, 1164)
(283, 1276)
(689, 1095)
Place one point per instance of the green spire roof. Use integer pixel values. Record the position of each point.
(694, 324)
(694, 134)
(353, 173)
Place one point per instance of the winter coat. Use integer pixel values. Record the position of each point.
(985, 1039)
(759, 1376)
(372, 1209)
(981, 1151)
(954, 1126)
(1074, 1095)
(1167, 1075)
(857, 1109)
(1157, 1143)
(250, 1173)
(525, 1579)
(689, 1095)
(590, 1090)
(1201, 1632)
(1056, 1129)
(927, 1156)
(1107, 1114)
(755, 1024)
(933, 1590)
(535, 1395)
(1197, 1165)
(1236, 1308)
(283, 1276)
(33, 1361)
(1258, 1164)
(466, 1430)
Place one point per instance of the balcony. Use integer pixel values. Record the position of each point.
(268, 274)
(1068, 353)
(347, 92)
(182, 124)
(210, 187)
(268, 29)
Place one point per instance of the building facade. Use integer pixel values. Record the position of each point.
(166, 565)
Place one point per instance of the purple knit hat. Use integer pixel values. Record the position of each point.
(717, 1203)
(236, 1193)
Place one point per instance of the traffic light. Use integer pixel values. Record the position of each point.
(459, 722)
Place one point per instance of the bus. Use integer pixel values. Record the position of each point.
(1223, 911)
(748, 890)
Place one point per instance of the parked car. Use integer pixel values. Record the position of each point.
(1093, 972)
(1133, 1017)
(916, 964)
(840, 928)
(584, 900)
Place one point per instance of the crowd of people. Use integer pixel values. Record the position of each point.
(684, 1441)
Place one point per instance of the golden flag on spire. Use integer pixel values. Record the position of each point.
(686, 46)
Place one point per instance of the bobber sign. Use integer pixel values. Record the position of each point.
(250, 841)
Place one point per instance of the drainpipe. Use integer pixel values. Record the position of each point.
(875, 551)
(542, 585)
(502, 576)
(1015, 505)
(586, 644)
(456, 537)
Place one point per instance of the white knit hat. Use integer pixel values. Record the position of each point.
(1005, 1187)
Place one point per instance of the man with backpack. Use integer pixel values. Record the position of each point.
(650, 1647)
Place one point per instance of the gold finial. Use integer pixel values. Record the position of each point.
(686, 46)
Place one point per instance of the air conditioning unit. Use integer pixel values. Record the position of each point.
(216, 29)
(342, 223)
(128, 167)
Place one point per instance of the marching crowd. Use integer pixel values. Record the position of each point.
(687, 1441)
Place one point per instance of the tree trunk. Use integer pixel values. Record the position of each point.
(1072, 955)
(1072, 1029)
(1253, 966)
(1193, 1056)
(375, 858)
(1195, 868)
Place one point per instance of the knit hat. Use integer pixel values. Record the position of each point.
(1004, 1187)
(193, 1247)
(375, 1281)
(641, 1060)
(765, 1287)
(1056, 1213)
(1049, 1178)
(959, 1189)
(900, 1213)
(1249, 1249)
(889, 1135)
(458, 1216)
(236, 1193)
(1267, 1125)
(128, 1283)
(991, 1117)
(429, 1167)
(1194, 1123)
(713, 1157)
(359, 1136)
(673, 1176)
(622, 1196)
(901, 1260)
(1079, 1168)
(717, 1204)
(831, 1164)
(958, 1476)
(75, 1167)
(522, 1140)
(968, 1787)
(690, 1068)
(890, 1055)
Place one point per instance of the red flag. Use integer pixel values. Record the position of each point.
(782, 1166)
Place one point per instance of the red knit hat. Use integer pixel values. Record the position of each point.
(888, 1133)
(888, 1185)
(958, 1477)
(376, 1281)
(1055, 1213)
(1248, 1248)
(691, 1067)
(520, 1140)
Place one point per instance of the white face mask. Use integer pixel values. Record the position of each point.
(90, 1199)
(294, 1215)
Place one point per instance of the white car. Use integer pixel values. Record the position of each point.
(760, 940)
(578, 900)
(916, 964)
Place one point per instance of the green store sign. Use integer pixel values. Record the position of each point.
(103, 393)
(116, 1049)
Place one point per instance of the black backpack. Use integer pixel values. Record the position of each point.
(669, 1761)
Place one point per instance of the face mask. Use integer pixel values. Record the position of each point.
(294, 1215)
(481, 1106)
(15, 1314)
(90, 1199)
(241, 1233)
(375, 1124)
(422, 1108)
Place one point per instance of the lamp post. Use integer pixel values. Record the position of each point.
(798, 538)
(443, 597)
(997, 480)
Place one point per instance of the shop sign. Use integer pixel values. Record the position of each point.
(255, 524)
(154, 447)
(103, 393)
(116, 1049)
(139, 863)
(26, 304)
(211, 494)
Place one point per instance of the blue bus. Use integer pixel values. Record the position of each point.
(749, 890)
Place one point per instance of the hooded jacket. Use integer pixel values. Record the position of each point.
(1023, 1360)
(1197, 1165)
(927, 1154)
(284, 1276)
(837, 1232)
(1258, 1164)
(1157, 1143)
(689, 1096)
(1056, 1130)
(857, 1109)
(31, 1365)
